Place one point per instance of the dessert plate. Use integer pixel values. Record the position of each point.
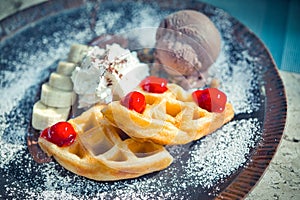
(226, 164)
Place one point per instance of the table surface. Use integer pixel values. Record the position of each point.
(282, 178)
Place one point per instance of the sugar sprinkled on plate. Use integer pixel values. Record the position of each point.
(227, 151)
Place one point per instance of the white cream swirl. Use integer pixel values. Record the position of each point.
(106, 74)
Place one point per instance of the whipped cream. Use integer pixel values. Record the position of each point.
(107, 74)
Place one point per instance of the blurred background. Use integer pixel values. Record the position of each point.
(275, 22)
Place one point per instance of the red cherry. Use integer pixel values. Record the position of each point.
(134, 101)
(154, 84)
(62, 134)
(210, 99)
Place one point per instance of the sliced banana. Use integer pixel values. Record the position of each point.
(60, 81)
(77, 53)
(65, 68)
(54, 97)
(44, 116)
(57, 96)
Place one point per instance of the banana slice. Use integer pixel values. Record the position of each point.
(65, 68)
(54, 97)
(44, 116)
(77, 53)
(61, 82)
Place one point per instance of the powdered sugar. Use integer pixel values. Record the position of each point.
(197, 167)
(241, 75)
(227, 151)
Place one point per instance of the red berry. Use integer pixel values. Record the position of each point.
(154, 84)
(62, 134)
(134, 101)
(210, 99)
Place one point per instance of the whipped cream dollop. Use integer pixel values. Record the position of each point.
(107, 74)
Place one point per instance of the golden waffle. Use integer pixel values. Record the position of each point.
(169, 118)
(100, 152)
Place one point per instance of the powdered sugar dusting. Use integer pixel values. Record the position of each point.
(197, 166)
(236, 68)
(227, 151)
(242, 76)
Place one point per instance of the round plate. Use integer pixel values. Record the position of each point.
(226, 164)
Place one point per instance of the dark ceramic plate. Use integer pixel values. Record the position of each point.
(226, 164)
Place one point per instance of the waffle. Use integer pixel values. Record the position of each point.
(169, 118)
(104, 153)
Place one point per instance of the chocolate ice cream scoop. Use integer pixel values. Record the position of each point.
(187, 43)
